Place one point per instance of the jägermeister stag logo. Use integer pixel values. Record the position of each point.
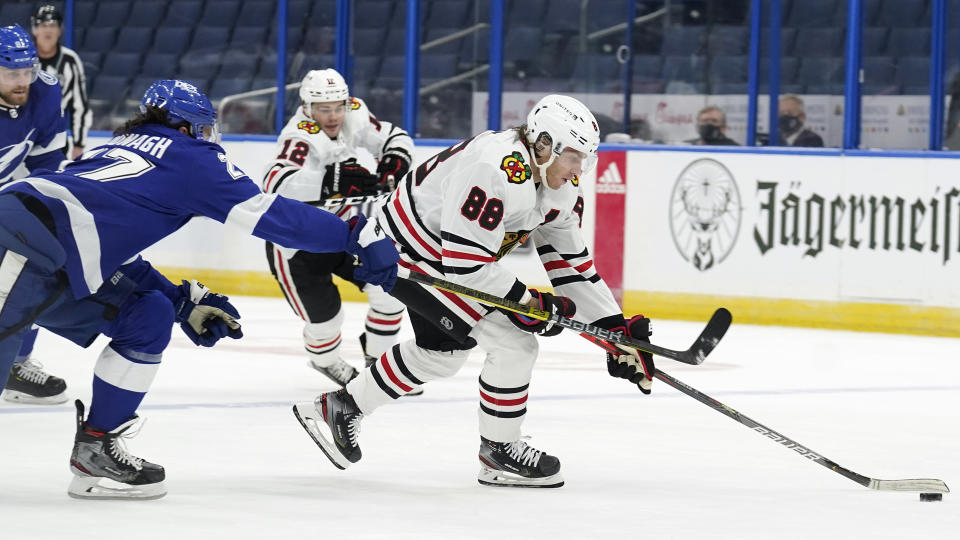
(705, 213)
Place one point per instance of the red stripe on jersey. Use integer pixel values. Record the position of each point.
(286, 284)
(406, 221)
(467, 256)
(266, 188)
(385, 364)
(503, 402)
(451, 296)
(555, 265)
(398, 320)
(327, 344)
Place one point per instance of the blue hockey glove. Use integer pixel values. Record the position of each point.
(557, 305)
(204, 316)
(377, 255)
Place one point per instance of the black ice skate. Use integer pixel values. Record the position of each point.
(102, 456)
(339, 372)
(517, 464)
(333, 422)
(371, 360)
(29, 383)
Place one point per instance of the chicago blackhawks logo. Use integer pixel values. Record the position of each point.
(517, 171)
(354, 104)
(310, 127)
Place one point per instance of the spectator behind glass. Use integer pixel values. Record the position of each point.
(790, 122)
(711, 126)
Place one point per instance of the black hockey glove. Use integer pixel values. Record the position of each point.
(349, 179)
(557, 305)
(391, 169)
(631, 364)
(205, 316)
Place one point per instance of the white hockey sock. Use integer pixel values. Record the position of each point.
(322, 340)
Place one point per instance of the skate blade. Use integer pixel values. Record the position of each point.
(311, 420)
(26, 399)
(88, 487)
(491, 477)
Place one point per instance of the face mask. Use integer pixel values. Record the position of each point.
(788, 124)
(709, 132)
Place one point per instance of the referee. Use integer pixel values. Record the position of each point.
(64, 64)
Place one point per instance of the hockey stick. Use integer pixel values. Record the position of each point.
(924, 485)
(696, 354)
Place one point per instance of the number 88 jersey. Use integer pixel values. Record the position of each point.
(462, 210)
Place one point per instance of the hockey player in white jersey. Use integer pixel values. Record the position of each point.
(316, 162)
(32, 137)
(455, 217)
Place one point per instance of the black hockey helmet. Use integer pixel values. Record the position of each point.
(46, 13)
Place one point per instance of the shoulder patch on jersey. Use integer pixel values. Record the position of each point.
(354, 104)
(510, 241)
(517, 171)
(575, 180)
(310, 127)
(47, 78)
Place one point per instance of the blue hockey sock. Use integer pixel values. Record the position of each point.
(121, 380)
(26, 347)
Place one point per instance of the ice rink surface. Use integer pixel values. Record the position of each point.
(656, 467)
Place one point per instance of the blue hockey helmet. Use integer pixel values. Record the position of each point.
(184, 102)
(17, 50)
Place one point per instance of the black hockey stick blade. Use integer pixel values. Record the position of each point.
(696, 354)
(923, 485)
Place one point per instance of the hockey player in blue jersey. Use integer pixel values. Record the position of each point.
(32, 136)
(69, 244)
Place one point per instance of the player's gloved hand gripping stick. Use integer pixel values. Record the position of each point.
(696, 354)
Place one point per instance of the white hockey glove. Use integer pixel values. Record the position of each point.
(633, 365)
(204, 316)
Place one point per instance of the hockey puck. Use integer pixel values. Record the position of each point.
(931, 496)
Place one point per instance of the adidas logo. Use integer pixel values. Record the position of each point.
(611, 181)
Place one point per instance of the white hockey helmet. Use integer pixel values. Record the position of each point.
(323, 85)
(563, 122)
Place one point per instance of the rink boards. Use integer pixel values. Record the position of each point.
(820, 239)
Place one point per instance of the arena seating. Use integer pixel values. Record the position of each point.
(228, 46)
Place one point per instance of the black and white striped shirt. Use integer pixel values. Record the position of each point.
(68, 69)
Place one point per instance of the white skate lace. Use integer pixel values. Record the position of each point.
(524, 453)
(118, 448)
(32, 371)
(353, 428)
